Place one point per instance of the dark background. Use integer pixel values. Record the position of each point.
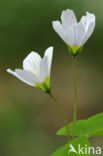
(28, 118)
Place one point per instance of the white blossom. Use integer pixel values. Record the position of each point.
(36, 70)
(74, 33)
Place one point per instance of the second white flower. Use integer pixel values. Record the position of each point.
(74, 33)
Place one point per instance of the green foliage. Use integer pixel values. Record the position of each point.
(91, 127)
(64, 151)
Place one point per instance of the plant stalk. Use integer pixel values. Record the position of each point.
(63, 115)
(75, 95)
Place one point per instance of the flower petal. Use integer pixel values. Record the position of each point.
(59, 29)
(32, 63)
(49, 55)
(77, 34)
(86, 20)
(61, 32)
(89, 23)
(25, 76)
(44, 72)
(68, 19)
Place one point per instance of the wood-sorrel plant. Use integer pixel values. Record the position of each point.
(36, 72)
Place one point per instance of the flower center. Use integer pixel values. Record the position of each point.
(44, 86)
(75, 48)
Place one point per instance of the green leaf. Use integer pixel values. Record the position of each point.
(91, 127)
(65, 150)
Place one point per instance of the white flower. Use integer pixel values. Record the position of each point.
(74, 33)
(36, 70)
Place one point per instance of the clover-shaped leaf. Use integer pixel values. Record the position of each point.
(93, 126)
(77, 146)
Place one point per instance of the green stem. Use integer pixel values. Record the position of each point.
(62, 113)
(75, 95)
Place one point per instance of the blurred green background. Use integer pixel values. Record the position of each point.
(28, 118)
